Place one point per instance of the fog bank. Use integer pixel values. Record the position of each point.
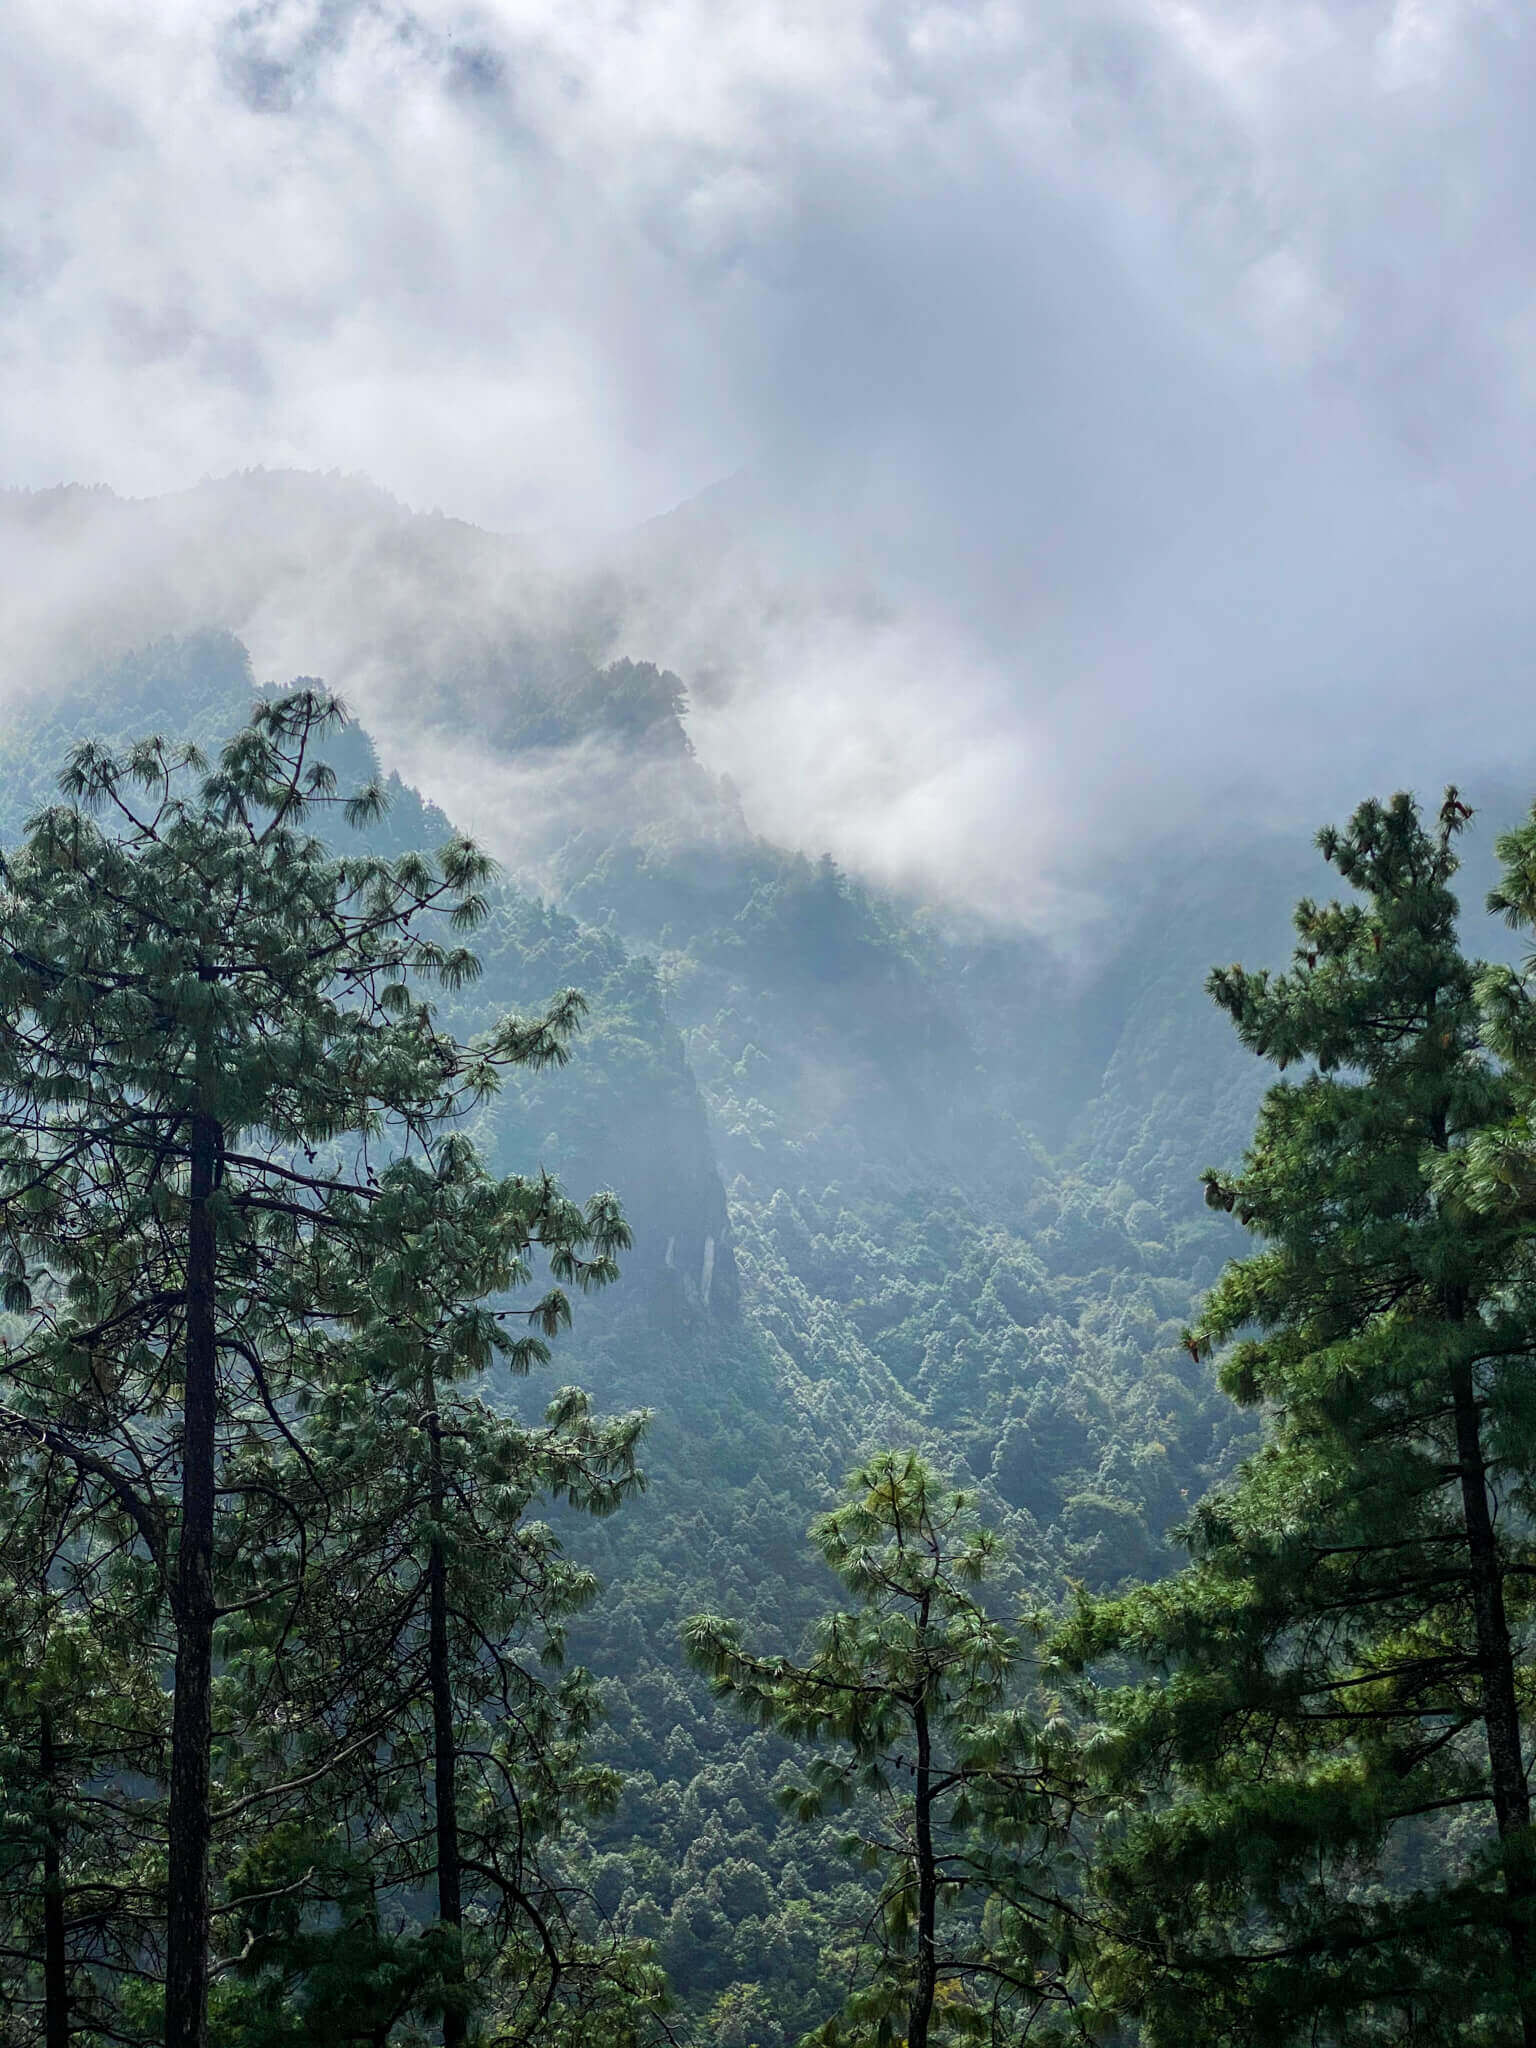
(1126, 408)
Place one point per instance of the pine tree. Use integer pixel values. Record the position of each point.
(211, 1042)
(961, 1802)
(82, 1725)
(1339, 1848)
(432, 1660)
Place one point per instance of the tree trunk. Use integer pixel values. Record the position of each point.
(55, 1957)
(190, 1826)
(1501, 1714)
(927, 1886)
(450, 1885)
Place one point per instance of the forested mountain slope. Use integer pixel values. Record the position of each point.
(890, 1181)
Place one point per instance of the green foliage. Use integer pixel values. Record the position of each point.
(422, 1666)
(960, 1212)
(82, 1727)
(231, 1185)
(1341, 1852)
(962, 1805)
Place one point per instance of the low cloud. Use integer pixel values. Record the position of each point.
(1130, 404)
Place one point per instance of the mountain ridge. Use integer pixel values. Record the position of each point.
(886, 1187)
(896, 1176)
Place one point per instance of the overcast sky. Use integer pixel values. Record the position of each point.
(1171, 366)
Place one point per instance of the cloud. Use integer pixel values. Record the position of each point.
(1135, 397)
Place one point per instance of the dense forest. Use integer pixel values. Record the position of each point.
(664, 1445)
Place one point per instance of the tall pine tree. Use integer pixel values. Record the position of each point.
(431, 1663)
(959, 1797)
(1340, 1849)
(212, 1040)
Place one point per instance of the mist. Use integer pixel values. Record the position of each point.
(1087, 423)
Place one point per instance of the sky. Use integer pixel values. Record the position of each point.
(1158, 376)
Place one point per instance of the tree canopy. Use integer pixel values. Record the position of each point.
(219, 1079)
(1340, 1674)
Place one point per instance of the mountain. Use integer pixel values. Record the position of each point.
(895, 1176)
